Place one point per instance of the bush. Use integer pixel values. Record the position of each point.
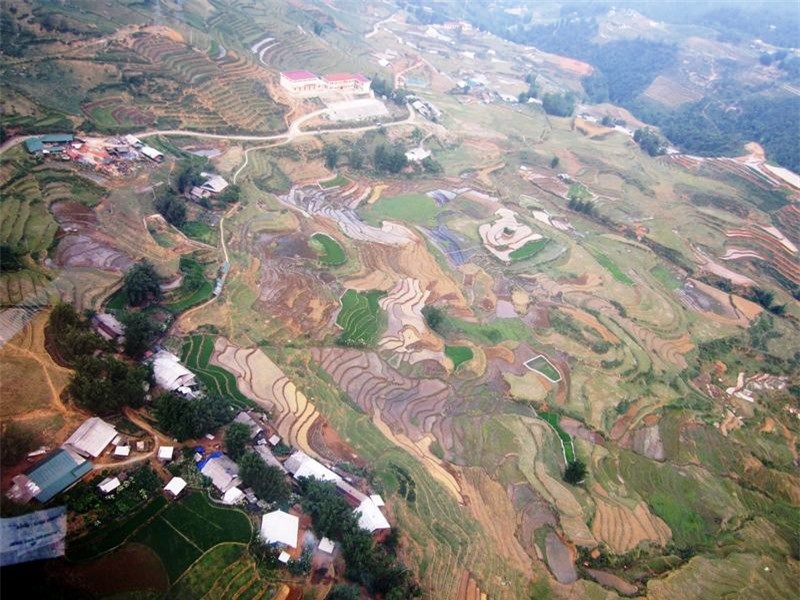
(189, 418)
(268, 482)
(236, 437)
(141, 284)
(575, 472)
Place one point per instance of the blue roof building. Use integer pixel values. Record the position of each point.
(34, 145)
(57, 472)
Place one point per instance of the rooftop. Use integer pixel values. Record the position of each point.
(345, 77)
(370, 516)
(299, 75)
(175, 486)
(54, 474)
(222, 471)
(280, 527)
(91, 438)
(301, 465)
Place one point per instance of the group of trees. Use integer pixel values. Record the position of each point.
(236, 438)
(10, 259)
(434, 317)
(649, 141)
(766, 298)
(141, 284)
(189, 418)
(268, 482)
(104, 384)
(330, 153)
(559, 105)
(390, 158)
(532, 91)
(585, 207)
(373, 566)
(69, 334)
(172, 207)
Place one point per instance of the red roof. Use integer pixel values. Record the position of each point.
(299, 75)
(345, 77)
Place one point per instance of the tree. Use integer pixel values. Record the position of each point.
(10, 259)
(554, 162)
(141, 284)
(236, 437)
(431, 166)
(331, 154)
(172, 208)
(390, 159)
(231, 194)
(71, 335)
(104, 385)
(559, 105)
(268, 482)
(575, 472)
(356, 158)
(344, 592)
(434, 317)
(18, 440)
(417, 134)
(189, 177)
(189, 418)
(140, 331)
(649, 141)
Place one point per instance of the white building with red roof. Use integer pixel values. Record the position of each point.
(307, 84)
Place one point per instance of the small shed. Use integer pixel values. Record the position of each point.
(165, 453)
(326, 546)
(284, 557)
(175, 486)
(233, 496)
(122, 451)
(109, 484)
(274, 440)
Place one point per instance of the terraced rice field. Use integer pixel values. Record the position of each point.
(332, 253)
(542, 365)
(613, 268)
(359, 318)
(196, 355)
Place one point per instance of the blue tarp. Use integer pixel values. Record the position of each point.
(203, 462)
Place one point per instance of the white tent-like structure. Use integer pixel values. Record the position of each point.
(280, 527)
(91, 438)
(109, 484)
(170, 374)
(302, 465)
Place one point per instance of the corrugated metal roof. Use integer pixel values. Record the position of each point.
(57, 472)
(280, 527)
(91, 438)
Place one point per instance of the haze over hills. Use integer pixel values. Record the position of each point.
(436, 299)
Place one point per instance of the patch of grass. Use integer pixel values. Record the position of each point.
(544, 366)
(613, 268)
(196, 354)
(332, 253)
(569, 448)
(176, 551)
(201, 232)
(458, 354)
(491, 333)
(665, 277)
(116, 301)
(337, 181)
(202, 576)
(412, 208)
(359, 318)
(578, 192)
(530, 248)
(200, 295)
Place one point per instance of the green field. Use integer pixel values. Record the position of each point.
(545, 367)
(331, 253)
(337, 181)
(491, 333)
(566, 439)
(201, 232)
(458, 354)
(200, 295)
(116, 301)
(207, 571)
(411, 208)
(613, 268)
(359, 318)
(530, 248)
(196, 354)
(666, 277)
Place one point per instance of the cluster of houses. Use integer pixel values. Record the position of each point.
(113, 155)
(63, 467)
(305, 84)
(213, 186)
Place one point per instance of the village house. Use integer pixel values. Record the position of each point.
(91, 438)
(171, 375)
(223, 472)
(108, 327)
(59, 471)
(280, 528)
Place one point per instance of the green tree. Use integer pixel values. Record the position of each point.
(434, 317)
(140, 331)
(141, 284)
(231, 194)
(236, 438)
(559, 105)
(17, 441)
(71, 335)
(172, 208)
(188, 177)
(554, 162)
(190, 418)
(268, 482)
(104, 384)
(331, 154)
(431, 166)
(356, 158)
(575, 472)
(10, 259)
(344, 592)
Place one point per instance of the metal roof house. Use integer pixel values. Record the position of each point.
(302, 465)
(280, 527)
(224, 473)
(245, 419)
(92, 437)
(59, 471)
(169, 373)
(370, 516)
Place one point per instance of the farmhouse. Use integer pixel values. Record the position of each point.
(214, 185)
(108, 327)
(302, 465)
(165, 453)
(171, 375)
(91, 438)
(280, 527)
(59, 471)
(108, 485)
(224, 473)
(268, 457)
(370, 516)
(175, 486)
(245, 419)
(152, 154)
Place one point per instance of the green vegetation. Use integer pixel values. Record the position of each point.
(569, 448)
(204, 573)
(18, 440)
(575, 472)
(559, 105)
(201, 232)
(544, 366)
(666, 277)
(332, 254)
(237, 435)
(434, 317)
(172, 207)
(195, 287)
(70, 335)
(612, 268)
(489, 333)
(411, 208)
(268, 482)
(649, 141)
(141, 284)
(196, 354)
(528, 249)
(140, 331)
(330, 152)
(389, 158)
(104, 385)
(337, 181)
(359, 318)
(190, 418)
(458, 354)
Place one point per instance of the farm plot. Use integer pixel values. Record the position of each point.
(542, 365)
(332, 253)
(566, 439)
(410, 208)
(506, 235)
(211, 574)
(458, 354)
(196, 354)
(407, 333)
(359, 318)
(266, 385)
